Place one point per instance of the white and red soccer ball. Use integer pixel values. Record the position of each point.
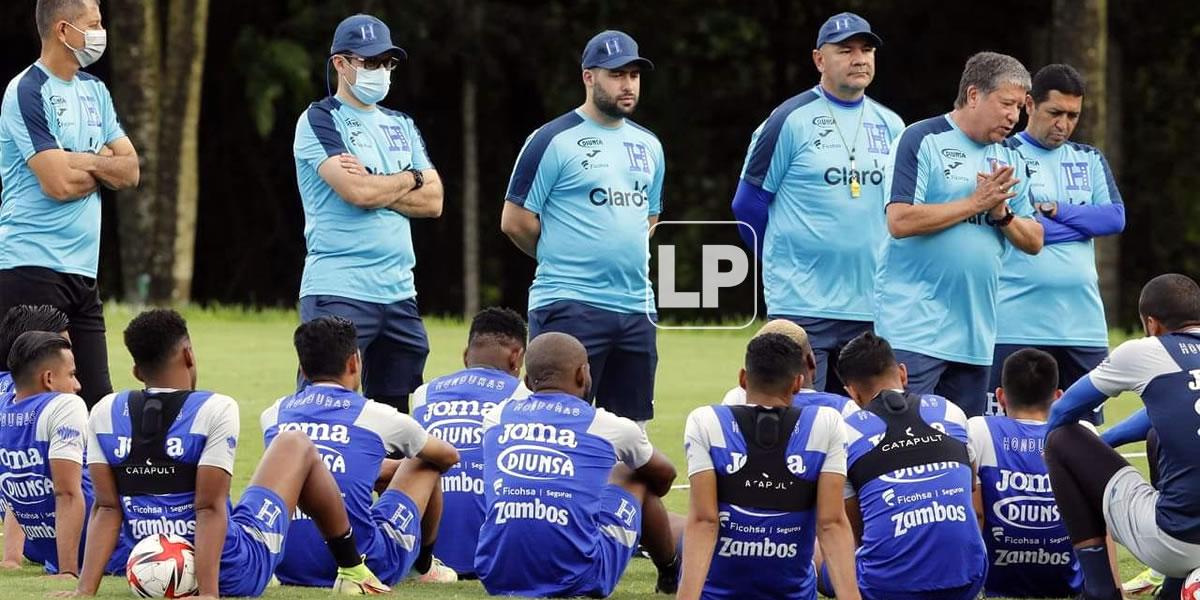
(1191, 586)
(162, 566)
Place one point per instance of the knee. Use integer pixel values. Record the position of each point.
(296, 444)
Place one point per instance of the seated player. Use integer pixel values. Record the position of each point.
(20, 319)
(191, 437)
(42, 434)
(908, 493)
(767, 479)
(1137, 428)
(353, 436)
(570, 487)
(451, 408)
(1029, 551)
(1098, 490)
(808, 366)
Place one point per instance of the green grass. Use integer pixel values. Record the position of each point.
(248, 355)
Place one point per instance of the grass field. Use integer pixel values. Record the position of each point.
(248, 355)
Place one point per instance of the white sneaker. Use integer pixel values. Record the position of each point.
(438, 573)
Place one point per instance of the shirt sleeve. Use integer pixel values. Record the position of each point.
(629, 441)
(1022, 203)
(696, 440)
(100, 420)
(66, 426)
(112, 124)
(910, 169)
(835, 444)
(399, 432)
(977, 434)
(656, 186)
(420, 154)
(1104, 186)
(25, 117)
(418, 398)
(772, 149)
(317, 137)
(220, 422)
(535, 173)
(1131, 366)
(734, 397)
(491, 417)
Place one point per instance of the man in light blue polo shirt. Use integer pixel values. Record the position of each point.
(1052, 301)
(811, 189)
(363, 173)
(955, 195)
(60, 140)
(586, 188)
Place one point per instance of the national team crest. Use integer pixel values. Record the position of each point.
(877, 138)
(639, 157)
(1075, 176)
(396, 140)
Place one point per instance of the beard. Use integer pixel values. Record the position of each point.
(608, 104)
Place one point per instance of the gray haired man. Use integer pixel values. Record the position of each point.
(956, 200)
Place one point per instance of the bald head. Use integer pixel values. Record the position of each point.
(557, 361)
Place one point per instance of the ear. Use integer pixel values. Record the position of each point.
(810, 361)
(46, 379)
(1028, 104)
(589, 78)
(797, 384)
(137, 374)
(354, 363)
(1058, 394)
(818, 60)
(528, 382)
(903, 375)
(582, 375)
(1001, 400)
(465, 356)
(742, 378)
(189, 357)
(516, 357)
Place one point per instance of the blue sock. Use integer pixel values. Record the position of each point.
(1097, 575)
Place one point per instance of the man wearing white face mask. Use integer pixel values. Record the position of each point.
(363, 172)
(60, 140)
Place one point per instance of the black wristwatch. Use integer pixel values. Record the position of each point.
(1003, 221)
(418, 179)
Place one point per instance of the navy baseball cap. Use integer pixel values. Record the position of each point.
(365, 36)
(612, 49)
(844, 26)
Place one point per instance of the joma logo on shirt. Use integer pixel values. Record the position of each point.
(541, 433)
(319, 432)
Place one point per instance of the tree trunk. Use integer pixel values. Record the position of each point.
(136, 64)
(1080, 39)
(187, 28)
(470, 199)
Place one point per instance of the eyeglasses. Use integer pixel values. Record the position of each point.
(370, 64)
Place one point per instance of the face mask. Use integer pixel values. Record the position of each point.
(371, 86)
(94, 42)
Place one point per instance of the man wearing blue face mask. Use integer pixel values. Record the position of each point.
(60, 140)
(363, 172)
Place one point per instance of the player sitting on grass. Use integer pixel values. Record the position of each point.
(20, 319)
(1029, 551)
(570, 487)
(807, 396)
(162, 459)
(354, 436)
(1097, 490)
(767, 480)
(909, 483)
(451, 408)
(43, 426)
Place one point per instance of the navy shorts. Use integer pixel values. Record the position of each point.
(1073, 363)
(392, 339)
(622, 351)
(620, 523)
(960, 383)
(827, 337)
(966, 592)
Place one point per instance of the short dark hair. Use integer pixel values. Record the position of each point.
(1029, 378)
(1057, 78)
(864, 358)
(500, 324)
(153, 336)
(323, 346)
(773, 361)
(32, 349)
(28, 317)
(49, 12)
(1172, 299)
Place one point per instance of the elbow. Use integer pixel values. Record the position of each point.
(827, 524)
(58, 190)
(451, 458)
(435, 206)
(897, 228)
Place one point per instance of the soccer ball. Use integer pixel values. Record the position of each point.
(1191, 586)
(162, 566)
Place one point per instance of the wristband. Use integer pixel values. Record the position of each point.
(418, 179)
(1005, 220)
